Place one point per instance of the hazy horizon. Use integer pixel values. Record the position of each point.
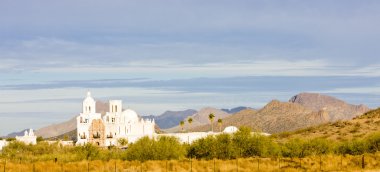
(175, 55)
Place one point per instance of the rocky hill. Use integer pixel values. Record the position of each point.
(171, 118)
(200, 118)
(340, 130)
(279, 116)
(57, 129)
(275, 117)
(303, 110)
(14, 134)
(336, 109)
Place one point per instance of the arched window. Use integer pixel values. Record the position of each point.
(115, 108)
(89, 108)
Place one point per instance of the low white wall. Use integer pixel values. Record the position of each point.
(188, 137)
(2, 144)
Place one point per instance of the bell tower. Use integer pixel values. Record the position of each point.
(89, 104)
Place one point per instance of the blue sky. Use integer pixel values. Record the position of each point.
(178, 54)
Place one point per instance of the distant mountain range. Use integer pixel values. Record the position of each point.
(235, 110)
(200, 118)
(14, 134)
(302, 110)
(171, 118)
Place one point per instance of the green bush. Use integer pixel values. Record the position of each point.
(150, 149)
(373, 142)
(224, 147)
(353, 147)
(10, 139)
(294, 148)
(241, 144)
(88, 151)
(203, 148)
(318, 146)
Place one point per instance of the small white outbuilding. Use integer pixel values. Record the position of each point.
(28, 138)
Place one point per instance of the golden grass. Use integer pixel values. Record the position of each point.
(313, 163)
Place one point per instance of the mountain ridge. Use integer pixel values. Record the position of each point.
(200, 118)
(170, 118)
(298, 112)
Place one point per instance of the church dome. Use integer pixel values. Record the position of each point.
(230, 129)
(130, 115)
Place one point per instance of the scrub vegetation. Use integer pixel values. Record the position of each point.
(225, 152)
(241, 151)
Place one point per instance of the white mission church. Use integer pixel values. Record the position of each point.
(116, 124)
(119, 123)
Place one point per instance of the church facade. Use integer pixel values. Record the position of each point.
(106, 130)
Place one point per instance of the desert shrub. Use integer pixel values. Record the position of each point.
(224, 147)
(141, 150)
(294, 148)
(262, 146)
(240, 144)
(10, 139)
(318, 146)
(373, 142)
(40, 139)
(88, 151)
(150, 149)
(301, 148)
(240, 140)
(43, 148)
(169, 148)
(112, 152)
(353, 147)
(15, 149)
(204, 148)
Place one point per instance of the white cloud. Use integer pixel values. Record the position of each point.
(373, 90)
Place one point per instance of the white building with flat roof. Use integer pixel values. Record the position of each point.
(28, 138)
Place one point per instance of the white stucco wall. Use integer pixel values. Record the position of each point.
(2, 144)
(188, 137)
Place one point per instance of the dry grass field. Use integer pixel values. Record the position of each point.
(314, 163)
